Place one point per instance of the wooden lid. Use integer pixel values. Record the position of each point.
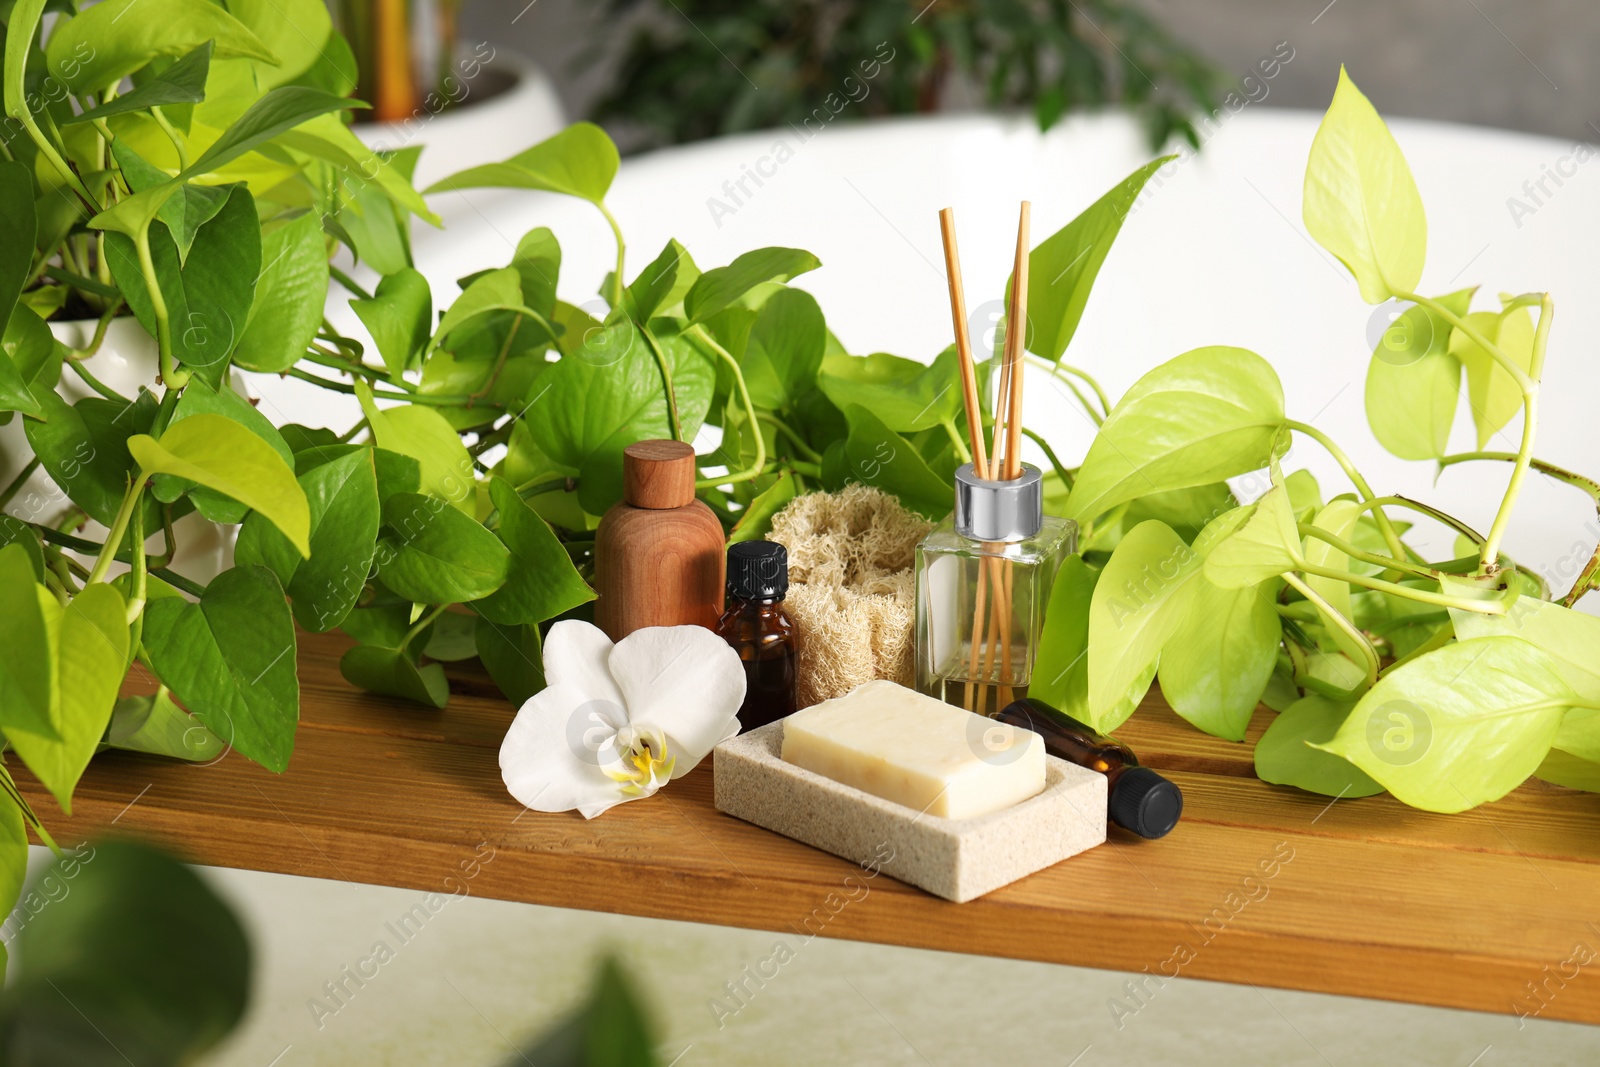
(658, 474)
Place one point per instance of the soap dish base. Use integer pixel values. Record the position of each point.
(957, 859)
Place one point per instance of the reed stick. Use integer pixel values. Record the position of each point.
(993, 599)
(958, 315)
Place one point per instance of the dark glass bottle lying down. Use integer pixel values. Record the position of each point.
(1139, 799)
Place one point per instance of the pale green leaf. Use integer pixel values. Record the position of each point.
(427, 437)
(91, 658)
(222, 455)
(1414, 382)
(1459, 727)
(579, 161)
(1493, 394)
(1361, 203)
(1138, 604)
(1205, 416)
(1285, 756)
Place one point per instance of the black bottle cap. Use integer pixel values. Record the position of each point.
(757, 570)
(1145, 802)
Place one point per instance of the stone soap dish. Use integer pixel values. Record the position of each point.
(957, 859)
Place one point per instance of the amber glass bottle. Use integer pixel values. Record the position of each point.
(755, 626)
(1139, 799)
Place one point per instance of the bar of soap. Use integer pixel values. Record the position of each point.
(894, 743)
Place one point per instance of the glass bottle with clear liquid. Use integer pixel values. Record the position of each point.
(984, 577)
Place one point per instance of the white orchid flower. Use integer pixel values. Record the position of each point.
(616, 722)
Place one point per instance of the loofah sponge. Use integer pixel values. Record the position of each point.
(851, 587)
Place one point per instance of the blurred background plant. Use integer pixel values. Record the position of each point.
(726, 66)
(127, 955)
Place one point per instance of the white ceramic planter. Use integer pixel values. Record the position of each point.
(127, 358)
(488, 121)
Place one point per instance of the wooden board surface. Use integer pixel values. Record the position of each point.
(1492, 910)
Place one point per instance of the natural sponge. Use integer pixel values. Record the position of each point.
(851, 587)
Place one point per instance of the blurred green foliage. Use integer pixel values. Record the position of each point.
(700, 68)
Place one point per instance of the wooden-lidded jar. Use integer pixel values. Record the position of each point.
(658, 554)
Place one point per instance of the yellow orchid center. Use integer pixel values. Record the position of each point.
(644, 764)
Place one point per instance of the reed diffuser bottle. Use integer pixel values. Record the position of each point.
(984, 575)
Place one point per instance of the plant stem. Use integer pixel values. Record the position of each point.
(119, 527)
(533, 489)
(666, 382)
(1384, 525)
(136, 600)
(1523, 379)
(1489, 556)
(956, 441)
(1387, 563)
(616, 277)
(95, 383)
(1333, 614)
(19, 481)
(178, 581)
(805, 450)
(1421, 596)
(348, 282)
(100, 328)
(1579, 481)
(1050, 454)
(427, 399)
(171, 376)
(755, 468)
(420, 625)
(1528, 382)
(1059, 370)
(28, 816)
(176, 138)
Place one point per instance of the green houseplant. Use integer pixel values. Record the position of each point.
(454, 517)
(177, 179)
(708, 67)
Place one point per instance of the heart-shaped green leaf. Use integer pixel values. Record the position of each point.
(875, 455)
(230, 659)
(182, 83)
(393, 672)
(1285, 756)
(27, 670)
(1460, 726)
(154, 724)
(1205, 416)
(435, 554)
(343, 499)
(1139, 602)
(906, 395)
(1496, 398)
(579, 161)
(91, 656)
(222, 455)
(716, 289)
(1361, 202)
(289, 296)
(1064, 265)
(513, 657)
(398, 315)
(663, 284)
(108, 41)
(427, 437)
(542, 581)
(1413, 382)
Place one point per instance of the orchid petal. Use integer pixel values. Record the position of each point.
(683, 681)
(544, 768)
(575, 653)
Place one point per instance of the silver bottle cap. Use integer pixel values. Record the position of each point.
(999, 511)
